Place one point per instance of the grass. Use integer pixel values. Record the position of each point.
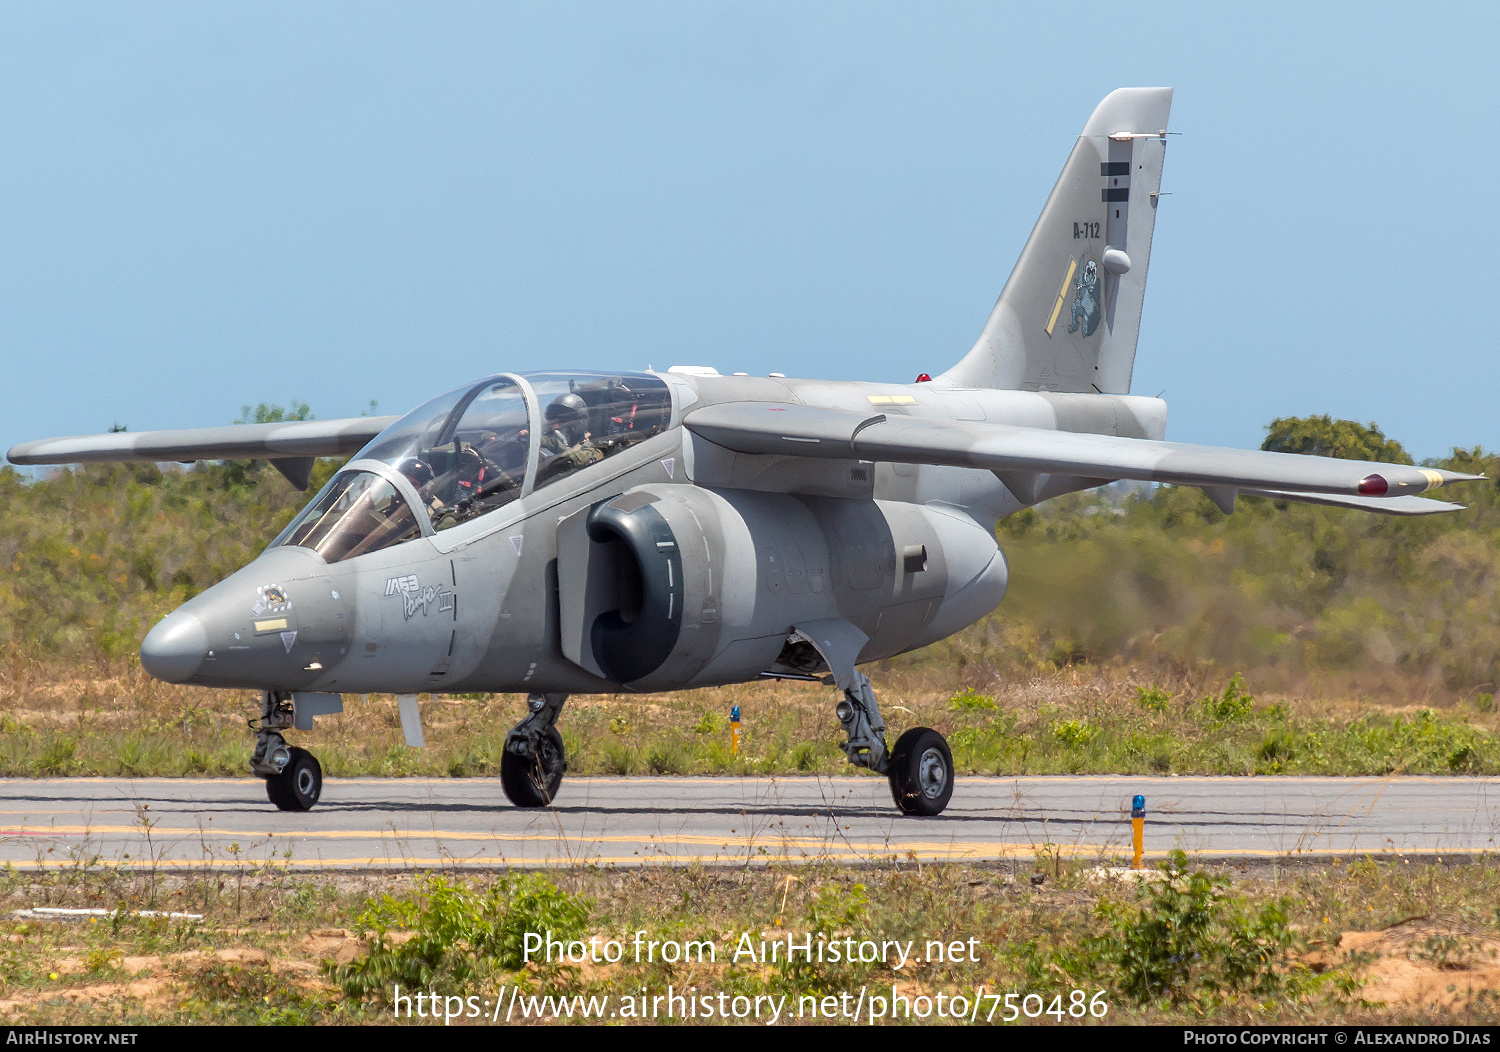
(1359, 941)
(1012, 719)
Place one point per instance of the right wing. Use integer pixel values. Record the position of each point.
(291, 445)
(293, 438)
(1022, 455)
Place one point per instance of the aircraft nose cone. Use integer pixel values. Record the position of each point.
(174, 649)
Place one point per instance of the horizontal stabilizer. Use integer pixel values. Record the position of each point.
(798, 430)
(1383, 505)
(294, 438)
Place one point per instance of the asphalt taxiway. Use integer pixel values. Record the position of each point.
(467, 822)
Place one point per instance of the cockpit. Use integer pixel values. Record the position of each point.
(474, 450)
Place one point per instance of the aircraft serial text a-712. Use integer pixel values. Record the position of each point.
(603, 532)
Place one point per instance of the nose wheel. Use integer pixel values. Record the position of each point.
(299, 784)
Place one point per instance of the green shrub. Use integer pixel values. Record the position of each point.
(1184, 936)
(1074, 733)
(1231, 706)
(805, 756)
(57, 756)
(457, 933)
(1152, 698)
(970, 700)
(666, 758)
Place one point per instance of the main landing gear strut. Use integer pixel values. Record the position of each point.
(531, 770)
(920, 767)
(294, 778)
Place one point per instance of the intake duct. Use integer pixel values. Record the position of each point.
(638, 580)
(634, 639)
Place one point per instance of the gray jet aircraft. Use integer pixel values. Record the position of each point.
(566, 532)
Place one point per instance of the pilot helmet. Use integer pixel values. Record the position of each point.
(418, 471)
(568, 410)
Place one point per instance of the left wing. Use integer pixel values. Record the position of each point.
(1019, 454)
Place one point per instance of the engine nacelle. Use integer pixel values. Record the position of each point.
(673, 585)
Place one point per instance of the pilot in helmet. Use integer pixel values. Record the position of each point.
(566, 436)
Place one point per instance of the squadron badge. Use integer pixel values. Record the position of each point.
(1086, 305)
(272, 600)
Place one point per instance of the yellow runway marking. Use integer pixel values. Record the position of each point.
(749, 843)
(1001, 851)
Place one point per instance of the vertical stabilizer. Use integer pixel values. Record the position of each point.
(1068, 317)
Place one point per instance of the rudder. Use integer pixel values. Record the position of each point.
(1070, 313)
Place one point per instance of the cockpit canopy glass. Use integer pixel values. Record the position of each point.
(466, 453)
(587, 417)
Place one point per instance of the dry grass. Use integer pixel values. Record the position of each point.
(1375, 942)
(1003, 713)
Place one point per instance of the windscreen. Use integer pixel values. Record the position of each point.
(359, 513)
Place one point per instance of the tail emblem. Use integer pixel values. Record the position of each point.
(1086, 306)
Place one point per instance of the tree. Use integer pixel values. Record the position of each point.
(1324, 436)
(274, 414)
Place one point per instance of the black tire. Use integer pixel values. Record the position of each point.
(534, 783)
(299, 785)
(921, 772)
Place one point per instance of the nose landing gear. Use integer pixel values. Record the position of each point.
(299, 784)
(294, 778)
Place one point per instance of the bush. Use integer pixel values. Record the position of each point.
(970, 700)
(1185, 935)
(1152, 698)
(1074, 733)
(666, 758)
(1231, 706)
(457, 933)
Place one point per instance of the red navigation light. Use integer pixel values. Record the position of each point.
(923, 378)
(1373, 486)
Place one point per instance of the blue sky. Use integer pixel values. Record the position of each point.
(203, 206)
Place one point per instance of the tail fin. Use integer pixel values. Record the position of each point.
(1068, 318)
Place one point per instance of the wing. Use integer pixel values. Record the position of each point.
(1021, 455)
(296, 438)
(290, 445)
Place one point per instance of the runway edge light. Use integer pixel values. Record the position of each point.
(1138, 827)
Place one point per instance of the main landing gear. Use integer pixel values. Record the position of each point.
(294, 778)
(920, 767)
(531, 770)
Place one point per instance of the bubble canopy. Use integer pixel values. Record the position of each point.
(478, 448)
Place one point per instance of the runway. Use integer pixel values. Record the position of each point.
(468, 823)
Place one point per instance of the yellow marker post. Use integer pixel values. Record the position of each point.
(734, 730)
(1138, 822)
